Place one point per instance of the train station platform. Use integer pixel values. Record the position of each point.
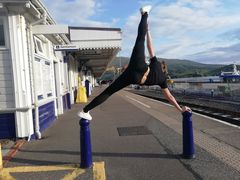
(133, 137)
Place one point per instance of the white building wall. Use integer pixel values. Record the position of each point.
(60, 81)
(63, 74)
(48, 75)
(73, 77)
(31, 75)
(20, 67)
(6, 79)
(65, 77)
(45, 69)
(54, 60)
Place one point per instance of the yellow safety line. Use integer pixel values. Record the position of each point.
(39, 168)
(73, 174)
(99, 171)
(4, 175)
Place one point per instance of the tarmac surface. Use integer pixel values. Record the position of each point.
(133, 137)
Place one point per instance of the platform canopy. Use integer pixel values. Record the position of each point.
(97, 46)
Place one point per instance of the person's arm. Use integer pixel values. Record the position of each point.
(173, 101)
(150, 45)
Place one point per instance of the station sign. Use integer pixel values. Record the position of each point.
(66, 48)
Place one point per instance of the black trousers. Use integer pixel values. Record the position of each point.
(134, 72)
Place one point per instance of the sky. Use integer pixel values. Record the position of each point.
(205, 31)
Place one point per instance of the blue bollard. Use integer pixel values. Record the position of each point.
(85, 144)
(188, 141)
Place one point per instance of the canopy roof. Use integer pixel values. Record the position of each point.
(97, 46)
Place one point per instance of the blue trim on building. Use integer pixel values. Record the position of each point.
(7, 126)
(46, 116)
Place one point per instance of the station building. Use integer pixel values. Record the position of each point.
(40, 65)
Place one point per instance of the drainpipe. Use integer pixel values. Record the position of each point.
(36, 104)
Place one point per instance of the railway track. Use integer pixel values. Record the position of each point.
(232, 117)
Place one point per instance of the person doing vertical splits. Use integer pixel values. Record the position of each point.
(137, 72)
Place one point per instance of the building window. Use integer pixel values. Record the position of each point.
(38, 46)
(39, 78)
(2, 36)
(47, 78)
(43, 75)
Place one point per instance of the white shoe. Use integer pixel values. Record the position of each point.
(146, 9)
(84, 115)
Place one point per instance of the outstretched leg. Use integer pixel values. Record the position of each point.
(137, 60)
(121, 82)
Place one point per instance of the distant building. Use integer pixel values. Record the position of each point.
(232, 76)
(234, 72)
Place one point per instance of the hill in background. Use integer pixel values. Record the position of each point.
(185, 68)
(179, 68)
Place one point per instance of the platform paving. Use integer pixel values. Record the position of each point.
(141, 156)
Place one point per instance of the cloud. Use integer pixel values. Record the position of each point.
(231, 35)
(77, 13)
(183, 28)
(200, 4)
(200, 30)
(219, 55)
(183, 16)
(179, 18)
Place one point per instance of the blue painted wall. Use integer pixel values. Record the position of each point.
(7, 126)
(46, 116)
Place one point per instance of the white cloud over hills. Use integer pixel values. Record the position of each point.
(206, 31)
(189, 29)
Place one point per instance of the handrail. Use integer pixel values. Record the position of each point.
(21, 109)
